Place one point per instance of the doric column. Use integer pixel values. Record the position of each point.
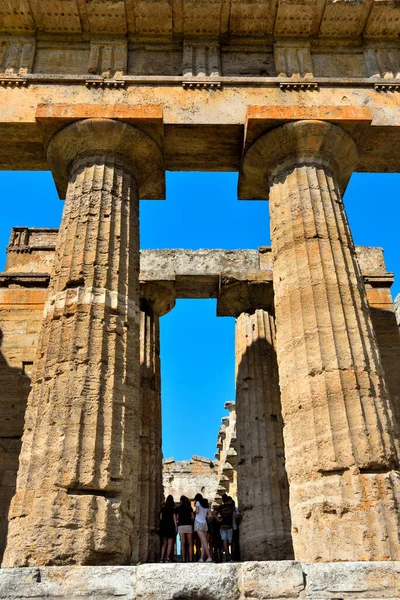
(340, 444)
(263, 491)
(77, 498)
(263, 494)
(156, 300)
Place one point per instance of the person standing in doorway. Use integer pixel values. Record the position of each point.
(225, 512)
(200, 526)
(185, 528)
(168, 529)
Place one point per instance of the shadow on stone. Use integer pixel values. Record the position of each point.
(14, 392)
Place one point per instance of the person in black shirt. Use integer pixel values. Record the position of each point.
(185, 528)
(225, 517)
(168, 529)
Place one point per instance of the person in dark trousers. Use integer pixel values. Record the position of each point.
(225, 517)
(168, 529)
(237, 518)
(185, 528)
(216, 537)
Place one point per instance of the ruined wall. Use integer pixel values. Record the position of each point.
(23, 292)
(383, 315)
(189, 477)
(227, 455)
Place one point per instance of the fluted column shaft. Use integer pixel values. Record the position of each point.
(77, 499)
(340, 443)
(150, 436)
(76, 487)
(263, 492)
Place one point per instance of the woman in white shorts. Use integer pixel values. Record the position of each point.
(201, 527)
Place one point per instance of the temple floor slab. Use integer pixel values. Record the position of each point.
(228, 581)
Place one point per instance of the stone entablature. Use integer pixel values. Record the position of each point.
(164, 21)
(116, 62)
(270, 39)
(189, 477)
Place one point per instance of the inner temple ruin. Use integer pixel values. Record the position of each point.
(295, 95)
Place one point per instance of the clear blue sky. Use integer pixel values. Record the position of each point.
(202, 211)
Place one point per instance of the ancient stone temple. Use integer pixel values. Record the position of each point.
(295, 95)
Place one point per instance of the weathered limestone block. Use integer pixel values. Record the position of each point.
(341, 445)
(270, 579)
(263, 491)
(388, 337)
(201, 58)
(227, 456)
(76, 498)
(31, 250)
(238, 581)
(293, 58)
(156, 300)
(17, 55)
(108, 58)
(219, 582)
(21, 313)
(382, 61)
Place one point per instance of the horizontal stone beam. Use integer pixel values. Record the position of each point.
(200, 132)
(191, 273)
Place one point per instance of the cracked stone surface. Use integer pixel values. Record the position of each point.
(263, 490)
(239, 581)
(341, 439)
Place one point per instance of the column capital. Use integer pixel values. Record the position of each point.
(297, 142)
(244, 293)
(108, 136)
(157, 296)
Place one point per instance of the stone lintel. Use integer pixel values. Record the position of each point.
(194, 273)
(24, 280)
(260, 119)
(379, 281)
(199, 135)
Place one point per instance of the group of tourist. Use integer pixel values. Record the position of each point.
(206, 534)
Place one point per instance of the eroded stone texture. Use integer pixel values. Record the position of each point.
(388, 337)
(21, 313)
(150, 484)
(340, 443)
(239, 581)
(76, 498)
(227, 456)
(155, 302)
(263, 491)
